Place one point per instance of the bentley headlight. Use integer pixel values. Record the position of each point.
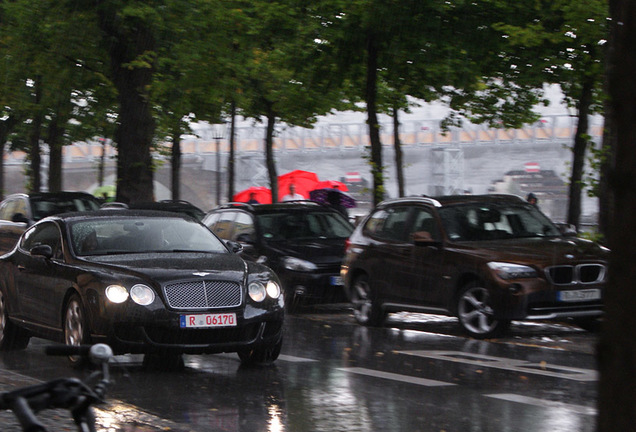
(257, 291)
(142, 294)
(273, 289)
(297, 264)
(116, 293)
(512, 271)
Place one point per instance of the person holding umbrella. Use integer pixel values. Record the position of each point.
(333, 200)
(292, 195)
(253, 199)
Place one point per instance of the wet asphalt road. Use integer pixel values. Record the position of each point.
(418, 373)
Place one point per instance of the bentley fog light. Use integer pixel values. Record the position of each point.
(257, 291)
(512, 271)
(116, 293)
(142, 295)
(273, 290)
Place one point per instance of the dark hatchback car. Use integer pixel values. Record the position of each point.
(19, 211)
(144, 282)
(302, 241)
(486, 259)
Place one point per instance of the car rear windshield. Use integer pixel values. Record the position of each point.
(141, 235)
(495, 221)
(304, 225)
(47, 206)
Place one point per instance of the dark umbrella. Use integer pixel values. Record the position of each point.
(322, 196)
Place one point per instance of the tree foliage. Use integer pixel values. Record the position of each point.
(141, 69)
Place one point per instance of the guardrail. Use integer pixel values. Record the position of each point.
(344, 136)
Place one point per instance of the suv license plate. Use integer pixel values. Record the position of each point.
(579, 295)
(208, 320)
(336, 280)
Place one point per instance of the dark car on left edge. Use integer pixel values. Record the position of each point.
(19, 211)
(148, 282)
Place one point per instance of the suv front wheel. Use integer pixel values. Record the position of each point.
(476, 314)
(366, 308)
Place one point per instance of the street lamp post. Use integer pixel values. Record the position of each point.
(218, 133)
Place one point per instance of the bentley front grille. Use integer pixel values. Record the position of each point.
(203, 294)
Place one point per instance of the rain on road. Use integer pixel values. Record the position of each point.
(418, 373)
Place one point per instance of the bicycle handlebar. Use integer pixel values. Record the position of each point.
(69, 393)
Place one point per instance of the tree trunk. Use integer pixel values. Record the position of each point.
(175, 163)
(372, 119)
(397, 148)
(54, 140)
(6, 126)
(617, 347)
(128, 43)
(232, 156)
(269, 154)
(35, 158)
(605, 195)
(578, 160)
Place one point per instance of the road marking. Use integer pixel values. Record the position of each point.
(579, 409)
(545, 369)
(295, 359)
(396, 377)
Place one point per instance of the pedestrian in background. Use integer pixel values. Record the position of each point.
(292, 195)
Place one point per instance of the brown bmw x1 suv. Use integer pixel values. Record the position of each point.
(486, 259)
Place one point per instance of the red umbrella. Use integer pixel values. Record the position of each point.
(262, 194)
(332, 184)
(304, 181)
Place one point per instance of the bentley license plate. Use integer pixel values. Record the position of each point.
(579, 295)
(208, 320)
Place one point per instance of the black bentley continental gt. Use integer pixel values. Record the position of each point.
(145, 282)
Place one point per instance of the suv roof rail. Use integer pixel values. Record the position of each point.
(235, 204)
(422, 198)
(168, 201)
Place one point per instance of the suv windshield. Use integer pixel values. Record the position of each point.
(477, 221)
(285, 225)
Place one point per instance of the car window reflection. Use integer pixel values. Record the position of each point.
(120, 236)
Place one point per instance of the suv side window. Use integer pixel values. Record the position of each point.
(424, 221)
(389, 224)
(225, 225)
(243, 224)
(210, 220)
(11, 207)
(20, 205)
(5, 210)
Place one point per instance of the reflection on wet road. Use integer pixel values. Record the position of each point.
(416, 374)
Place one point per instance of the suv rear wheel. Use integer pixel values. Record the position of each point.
(476, 314)
(366, 308)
